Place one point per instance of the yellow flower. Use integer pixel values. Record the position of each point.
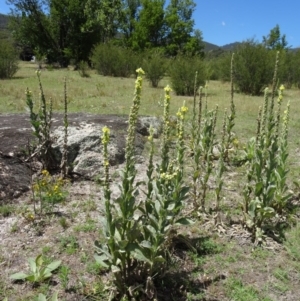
(140, 71)
(178, 114)
(106, 130)
(44, 172)
(281, 88)
(184, 109)
(168, 89)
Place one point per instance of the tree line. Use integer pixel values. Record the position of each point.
(117, 36)
(65, 30)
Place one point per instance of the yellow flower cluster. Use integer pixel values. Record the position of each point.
(106, 135)
(48, 186)
(139, 79)
(28, 92)
(280, 96)
(182, 111)
(167, 176)
(168, 89)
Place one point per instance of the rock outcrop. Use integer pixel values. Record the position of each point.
(84, 146)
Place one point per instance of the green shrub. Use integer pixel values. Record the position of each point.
(8, 60)
(289, 72)
(253, 67)
(182, 72)
(111, 60)
(83, 68)
(155, 66)
(222, 66)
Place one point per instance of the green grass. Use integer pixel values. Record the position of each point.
(109, 95)
(237, 291)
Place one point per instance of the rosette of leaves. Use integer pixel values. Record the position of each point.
(38, 271)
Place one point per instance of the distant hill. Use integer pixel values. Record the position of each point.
(212, 47)
(231, 46)
(209, 46)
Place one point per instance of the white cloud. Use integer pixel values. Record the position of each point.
(223, 23)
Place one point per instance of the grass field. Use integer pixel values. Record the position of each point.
(227, 268)
(106, 95)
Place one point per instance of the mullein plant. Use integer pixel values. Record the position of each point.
(207, 143)
(41, 124)
(282, 195)
(219, 172)
(266, 192)
(138, 231)
(231, 117)
(64, 161)
(165, 147)
(203, 156)
(122, 225)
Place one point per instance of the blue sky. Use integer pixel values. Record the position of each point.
(227, 21)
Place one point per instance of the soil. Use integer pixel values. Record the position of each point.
(225, 254)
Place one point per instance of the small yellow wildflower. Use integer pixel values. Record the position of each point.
(184, 109)
(235, 142)
(168, 89)
(106, 130)
(281, 88)
(44, 172)
(140, 71)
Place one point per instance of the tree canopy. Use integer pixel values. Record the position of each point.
(65, 30)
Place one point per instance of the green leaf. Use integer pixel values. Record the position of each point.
(100, 260)
(41, 297)
(122, 244)
(171, 206)
(138, 254)
(53, 266)
(159, 259)
(32, 278)
(45, 275)
(268, 212)
(115, 269)
(54, 297)
(18, 276)
(184, 221)
(146, 244)
(32, 264)
(39, 261)
(258, 188)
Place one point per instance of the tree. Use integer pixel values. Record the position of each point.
(274, 40)
(179, 24)
(54, 28)
(8, 59)
(254, 66)
(31, 26)
(129, 17)
(105, 16)
(149, 29)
